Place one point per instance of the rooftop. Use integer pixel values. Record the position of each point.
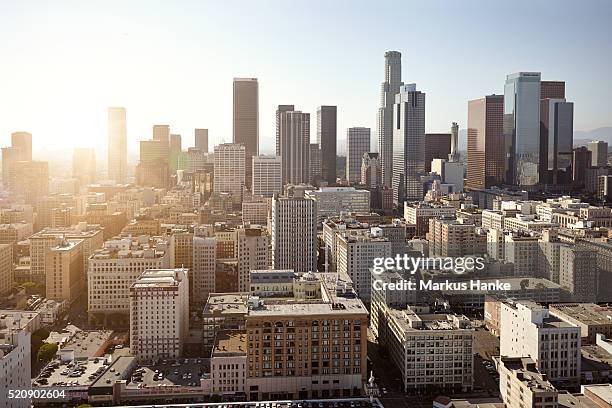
(86, 344)
(15, 319)
(229, 342)
(587, 313)
(159, 278)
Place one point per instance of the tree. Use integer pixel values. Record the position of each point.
(47, 351)
(83, 406)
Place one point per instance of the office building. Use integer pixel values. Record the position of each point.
(521, 384)
(454, 152)
(28, 180)
(419, 214)
(201, 140)
(153, 167)
(294, 233)
(10, 155)
(331, 201)
(592, 319)
(371, 173)
(599, 153)
(255, 212)
(522, 128)
(327, 138)
(159, 314)
(388, 89)
(246, 120)
(556, 141)
(204, 263)
(267, 176)
(450, 238)
(84, 165)
(315, 162)
(293, 144)
(485, 142)
(23, 142)
(581, 161)
(117, 145)
(230, 170)
(578, 273)
(6, 268)
(437, 146)
(552, 89)
(64, 270)
(408, 145)
(357, 144)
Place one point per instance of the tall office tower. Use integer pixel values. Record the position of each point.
(9, 155)
(117, 145)
(246, 119)
(327, 135)
(28, 180)
(599, 153)
(64, 271)
(6, 267)
(454, 152)
(159, 314)
(314, 163)
(204, 261)
(408, 144)
(552, 90)
(357, 144)
(522, 128)
(485, 142)
(578, 272)
(23, 142)
(388, 89)
(371, 173)
(230, 170)
(267, 176)
(437, 146)
(556, 141)
(175, 152)
(153, 169)
(279, 111)
(84, 165)
(294, 233)
(581, 160)
(162, 133)
(175, 143)
(294, 145)
(201, 140)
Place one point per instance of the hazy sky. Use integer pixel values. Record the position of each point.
(62, 63)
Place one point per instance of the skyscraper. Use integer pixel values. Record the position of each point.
(326, 138)
(23, 142)
(599, 153)
(552, 90)
(117, 145)
(485, 142)
(162, 133)
(389, 88)
(454, 153)
(279, 112)
(201, 140)
(229, 170)
(556, 141)
(293, 145)
(84, 165)
(175, 152)
(246, 119)
(153, 169)
(314, 164)
(408, 144)
(581, 159)
(437, 146)
(357, 144)
(10, 155)
(267, 175)
(522, 128)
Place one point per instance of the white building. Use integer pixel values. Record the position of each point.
(294, 233)
(599, 153)
(528, 330)
(578, 273)
(230, 170)
(331, 201)
(267, 175)
(159, 313)
(255, 212)
(357, 144)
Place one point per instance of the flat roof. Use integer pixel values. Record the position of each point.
(228, 342)
(74, 374)
(120, 368)
(586, 313)
(87, 343)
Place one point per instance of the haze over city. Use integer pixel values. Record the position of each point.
(64, 63)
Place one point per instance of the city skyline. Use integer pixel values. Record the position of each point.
(192, 86)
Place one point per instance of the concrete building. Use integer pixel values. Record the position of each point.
(64, 270)
(159, 313)
(331, 201)
(255, 212)
(315, 164)
(204, 264)
(230, 171)
(201, 140)
(529, 330)
(578, 273)
(408, 144)
(28, 180)
(523, 251)
(357, 144)
(267, 176)
(246, 120)
(419, 214)
(592, 319)
(153, 168)
(294, 233)
(556, 141)
(437, 146)
(6, 269)
(326, 138)
(521, 384)
(117, 145)
(388, 89)
(84, 165)
(371, 175)
(23, 142)
(599, 153)
(450, 238)
(293, 144)
(228, 363)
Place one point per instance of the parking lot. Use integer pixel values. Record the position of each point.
(186, 372)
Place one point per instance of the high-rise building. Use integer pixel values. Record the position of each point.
(408, 144)
(314, 163)
(599, 153)
(6, 268)
(204, 262)
(162, 134)
(448, 237)
(279, 111)
(485, 142)
(521, 384)
(357, 144)
(388, 89)
(327, 138)
(454, 152)
(331, 201)
(117, 145)
(153, 168)
(201, 140)
(230, 171)
(293, 145)
(159, 314)
(246, 119)
(23, 142)
(371, 173)
(10, 155)
(437, 146)
(552, 90)
(294, 233)
(581, 160)
(84, 165)
(65, 274)
(28, 180)
(556, 141)
(578, 273)
(267, 176)
(522, 128)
